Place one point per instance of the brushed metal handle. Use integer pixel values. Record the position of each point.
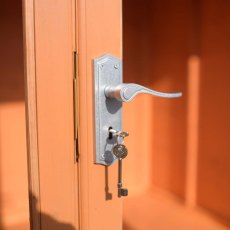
(126, 92)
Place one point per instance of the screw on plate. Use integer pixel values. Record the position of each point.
(116, 66)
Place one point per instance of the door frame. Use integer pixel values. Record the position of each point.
(52, 169)
(31, 113)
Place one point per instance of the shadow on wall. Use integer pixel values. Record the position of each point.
(13, 166)
(11, 59)
(126, 226)
(181, 45)
(48, 222)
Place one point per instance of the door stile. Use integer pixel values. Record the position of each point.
(31, 113)
(99, 32)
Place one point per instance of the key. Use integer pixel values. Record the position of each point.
(115, 133)
(121, 191)
(120, 151)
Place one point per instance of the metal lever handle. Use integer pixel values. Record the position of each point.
(126, 92)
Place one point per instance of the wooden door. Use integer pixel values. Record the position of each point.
(64, 193)
(99, 32)
(53, 176)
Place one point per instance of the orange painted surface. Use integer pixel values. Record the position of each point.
(160, 210)
(214, 148)
(99, 30)
(13, 165)
(156, 52)
(14, 205)
(54, 41)
(178, 145)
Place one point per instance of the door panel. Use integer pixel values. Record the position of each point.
(53, 48)
(99, 32)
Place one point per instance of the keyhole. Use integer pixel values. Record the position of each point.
(110, 134)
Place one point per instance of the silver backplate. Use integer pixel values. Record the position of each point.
(108, 112)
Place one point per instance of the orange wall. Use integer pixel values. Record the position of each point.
(179, 145)
(156, 50)
(214, 136)
(13, 166)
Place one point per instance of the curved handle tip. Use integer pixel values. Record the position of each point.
(126, 92)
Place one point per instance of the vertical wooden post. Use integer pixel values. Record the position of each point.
(31, 113)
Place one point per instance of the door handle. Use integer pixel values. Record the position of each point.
(127, 92)
(109, 93)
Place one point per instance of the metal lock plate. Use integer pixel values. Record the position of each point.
(108, 112)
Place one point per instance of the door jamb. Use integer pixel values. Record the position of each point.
(31, 113)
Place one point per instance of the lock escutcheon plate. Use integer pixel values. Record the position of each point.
(108, 112)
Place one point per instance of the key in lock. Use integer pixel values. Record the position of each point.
(120, 151)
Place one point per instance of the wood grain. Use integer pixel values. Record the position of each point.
(31, 113)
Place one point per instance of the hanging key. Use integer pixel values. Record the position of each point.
(120, 151)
